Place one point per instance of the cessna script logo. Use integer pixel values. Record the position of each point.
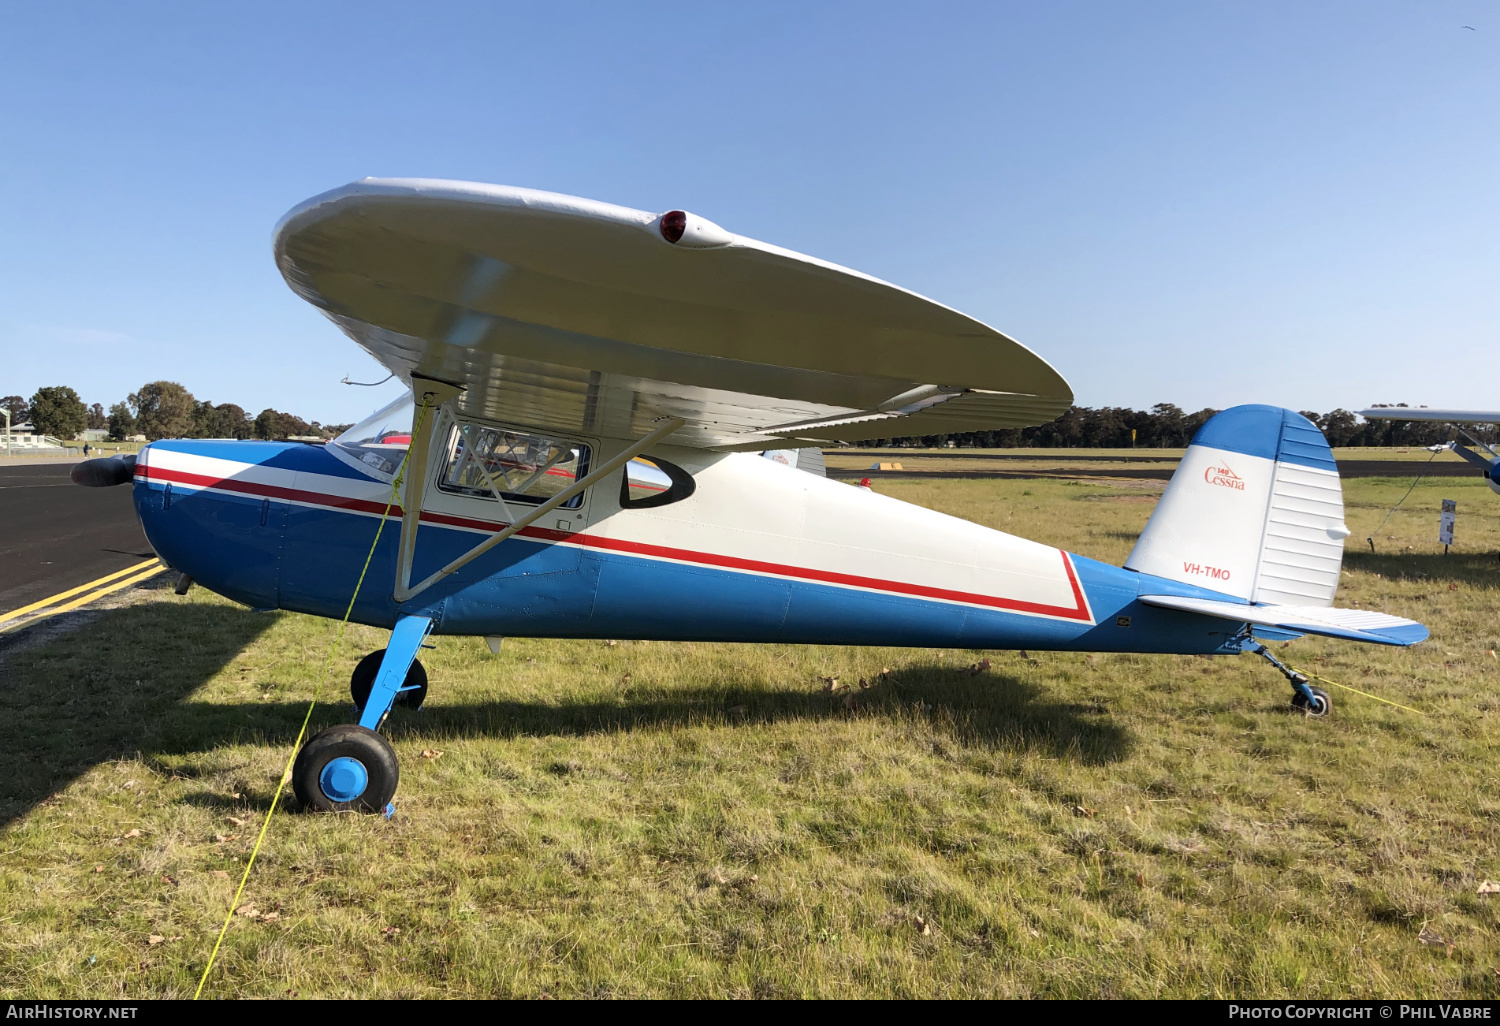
(1224, 477)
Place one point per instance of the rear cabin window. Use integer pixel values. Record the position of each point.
(650, 481)
(515, 465)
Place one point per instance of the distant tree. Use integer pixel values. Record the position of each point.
(268, 425)
(121, 422)
(236, 422)
(97, 420)
(204, 422)
(57, 411)
(19, 412)
(163, 409)
(225, 420)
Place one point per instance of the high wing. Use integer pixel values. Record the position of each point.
(577, 316)
(1423, 413)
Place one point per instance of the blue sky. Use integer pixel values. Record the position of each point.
(1199, 203)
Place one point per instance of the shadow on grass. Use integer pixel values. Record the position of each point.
(109, 688)
(989, 711)
(1481, 568)
(121, 685)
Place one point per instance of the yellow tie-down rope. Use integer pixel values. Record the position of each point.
(1325, 680)
(286, 773)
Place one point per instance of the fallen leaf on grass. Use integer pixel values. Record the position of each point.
(270, 917)
(1489, 887)
(155, 939)
(1079, 810)
(133, 833)
(98, 869)
(168, 879)
(226, 838)
(391, 931)
(430, 753)
(248, 910)
(1433, 939)
(235, 820)
(219, 874)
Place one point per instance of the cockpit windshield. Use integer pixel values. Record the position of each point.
(379, 441)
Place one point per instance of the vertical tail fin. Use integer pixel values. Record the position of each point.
(1255, 510)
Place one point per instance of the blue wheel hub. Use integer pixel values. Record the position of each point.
(344, 779)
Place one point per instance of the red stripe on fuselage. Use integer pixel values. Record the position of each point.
(1079, 611)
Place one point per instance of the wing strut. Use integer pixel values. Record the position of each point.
(405, 590)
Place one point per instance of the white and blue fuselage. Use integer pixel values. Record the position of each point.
(760, 552)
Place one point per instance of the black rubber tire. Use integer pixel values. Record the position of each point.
(352, 741)
(1324, 703)
(363, 679)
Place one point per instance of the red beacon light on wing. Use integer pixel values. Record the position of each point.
(691, 231)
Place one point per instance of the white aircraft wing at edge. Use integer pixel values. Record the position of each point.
(1424, 413)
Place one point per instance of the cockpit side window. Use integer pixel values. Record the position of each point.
(651, 481)
(518, 466)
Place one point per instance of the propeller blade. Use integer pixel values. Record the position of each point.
(105, 472)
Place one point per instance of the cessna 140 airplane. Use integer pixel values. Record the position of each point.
(593, 389)
(1488, 466)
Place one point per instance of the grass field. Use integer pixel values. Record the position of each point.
(584, 819)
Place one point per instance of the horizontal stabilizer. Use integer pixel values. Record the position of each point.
(1354, 624)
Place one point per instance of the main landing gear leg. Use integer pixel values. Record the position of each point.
(350, 767)
(1312, 701)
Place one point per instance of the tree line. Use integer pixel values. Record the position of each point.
(1167, 427)
(165, 409)
(158, 409)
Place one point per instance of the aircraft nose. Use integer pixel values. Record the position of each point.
(200, 513)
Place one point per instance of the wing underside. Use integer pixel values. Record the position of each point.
(578, 316)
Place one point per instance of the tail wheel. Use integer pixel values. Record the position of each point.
(1320, 706)
(363, 679)
(346, 768)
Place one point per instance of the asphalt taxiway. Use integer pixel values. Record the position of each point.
(55, 535)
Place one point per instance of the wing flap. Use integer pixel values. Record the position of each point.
(1352, 624)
